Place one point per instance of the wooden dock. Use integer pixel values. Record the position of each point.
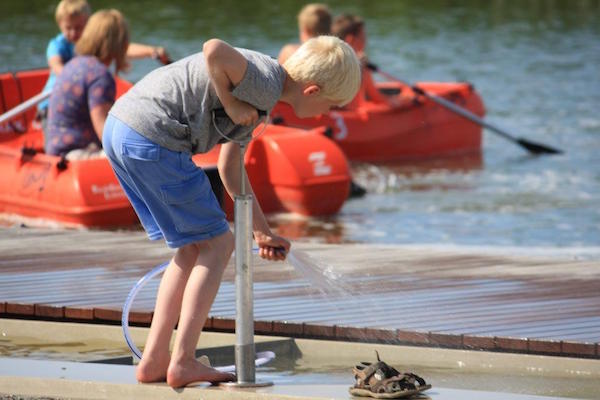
(425, 296)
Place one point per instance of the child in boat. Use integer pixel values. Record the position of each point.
(85, 89)
(313, 20)
(71, 17)
(351, 29)
(150, 136)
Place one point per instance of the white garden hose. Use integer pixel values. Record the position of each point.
(129, 301)
(261, 357)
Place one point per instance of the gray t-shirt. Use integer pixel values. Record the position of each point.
(172, 105)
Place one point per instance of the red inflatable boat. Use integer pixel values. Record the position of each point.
(416, 129)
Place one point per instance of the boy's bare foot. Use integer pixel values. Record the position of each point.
(152, 369)
(186, 372)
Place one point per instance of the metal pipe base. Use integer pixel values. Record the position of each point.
(242, 385)
(244, 362)
(244, 321)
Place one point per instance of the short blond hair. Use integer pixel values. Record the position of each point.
(315, 18)
(71, 8)
(106, 36)
(331, 64)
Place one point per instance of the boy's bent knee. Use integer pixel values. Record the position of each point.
(227, 242)
(223, 245)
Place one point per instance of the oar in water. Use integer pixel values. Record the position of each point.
(534, 148)
(24, 106)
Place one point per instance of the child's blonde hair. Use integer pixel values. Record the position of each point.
(71, 8)
(106, 36)
(329, 63)
(315, 18)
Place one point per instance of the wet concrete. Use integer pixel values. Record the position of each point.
(92, 381)
(310, 368)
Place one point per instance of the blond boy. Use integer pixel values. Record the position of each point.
(150, 136)
(313, 20)
(71, 17)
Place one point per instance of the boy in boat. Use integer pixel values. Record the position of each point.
(313, 20)
(71, 17)
(351, 29)
(150, 136)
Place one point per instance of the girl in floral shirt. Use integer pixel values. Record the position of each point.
(84, 92)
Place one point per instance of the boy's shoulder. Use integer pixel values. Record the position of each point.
(263, 80)
(254, 54)
(60, 42)
(59, 39)
(264, 63)
(60, 46)
(286, 51)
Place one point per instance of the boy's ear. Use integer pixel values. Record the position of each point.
(311, 90)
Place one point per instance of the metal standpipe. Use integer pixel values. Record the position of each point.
(244, 321)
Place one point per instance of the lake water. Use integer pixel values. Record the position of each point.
(534, 62)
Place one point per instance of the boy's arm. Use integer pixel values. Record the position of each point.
(287, 51)
(270, 245)
(138, 50)
(373, 94)
(53, 55)
(226, 69)
(98, 116)
(56, 64)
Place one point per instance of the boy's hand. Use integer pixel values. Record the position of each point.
(241, 113)
(272, 247)
(160, 54)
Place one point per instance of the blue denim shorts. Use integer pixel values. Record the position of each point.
(170, 194)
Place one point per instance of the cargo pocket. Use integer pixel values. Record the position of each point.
(143, 151)
(193, 206)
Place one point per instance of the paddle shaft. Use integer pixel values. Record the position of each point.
(26, 105)
(535, 148)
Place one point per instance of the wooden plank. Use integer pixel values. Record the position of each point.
(451, 298)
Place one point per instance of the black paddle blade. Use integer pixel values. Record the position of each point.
(537, 148)
(372, 67)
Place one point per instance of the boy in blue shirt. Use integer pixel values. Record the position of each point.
(71, 17)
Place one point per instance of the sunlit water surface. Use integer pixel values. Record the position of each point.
(535, 63)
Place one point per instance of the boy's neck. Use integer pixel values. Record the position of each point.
(291, 89)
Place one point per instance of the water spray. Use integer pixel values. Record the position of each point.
(320, 276)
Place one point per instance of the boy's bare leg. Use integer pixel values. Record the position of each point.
(155, 360)
(200, 291)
